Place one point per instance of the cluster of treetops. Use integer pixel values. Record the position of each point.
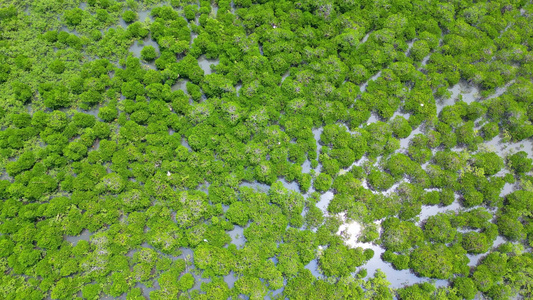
(94, 140)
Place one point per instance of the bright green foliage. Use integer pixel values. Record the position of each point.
(295, 117)
(380, 180)
(519, 162)
(148, 53)
(465, 287)
(186, 282)
(417, 291)
(419, 50)
(399, 262)
(340, 261)
(129, 16)
(439, 261)
(474, 242)
(400, 235)
(323, 182)
(490, 162)
(57, 66)
(400, 127)
(74, 16)
(439, 229)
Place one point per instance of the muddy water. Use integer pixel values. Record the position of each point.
(85, 235)
(237, 236)
(137, 47)
(404, 143)
(180, 85)
(475, 258)
(324, 201)
(205, 64)
(260, 187)
(373, 78)
(467, 93)
(432, 210)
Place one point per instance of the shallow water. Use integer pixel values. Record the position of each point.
(205, 64)
(230, 279)
(373, 119)
(468, 94)
(180, 85)
(145, 14)
(500, 90)
(507, 189)
(313, 267)
(293, 186)
(260, 187)
(397, 278)
(146, 290)
(475, 258)
(285, 76)
(365, 38)
(85, 235)
(137, 47)
(237, 236)
(185, 143)
(214, 10)
(306, 166)
(316, 133)
(278, 291)
(409, 46)
(198, 280)
(93, 111)
(373, 78)
(425, 61)
(503, 149)
(325, 198)
(428, 211)
(404, 143)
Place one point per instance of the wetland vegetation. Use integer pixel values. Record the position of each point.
(266, 149)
